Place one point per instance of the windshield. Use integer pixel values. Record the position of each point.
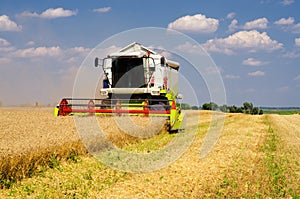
(128, 73)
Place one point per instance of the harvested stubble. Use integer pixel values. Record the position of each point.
(286, 158)
(235, 158)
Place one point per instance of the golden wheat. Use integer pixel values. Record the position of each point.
(30, 137)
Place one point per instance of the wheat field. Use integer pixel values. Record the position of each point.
(255, 157)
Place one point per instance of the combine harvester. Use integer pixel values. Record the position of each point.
(136, 81)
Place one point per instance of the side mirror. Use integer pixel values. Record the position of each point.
(179, 96)
(96, 62)
(162, 61)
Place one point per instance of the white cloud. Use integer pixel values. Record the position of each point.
(296, 28)
(289, 25)
(75, 55)
(79, 49)
(211, 70)
(4, 43)
(30, 43)
(28, 14)
(198, 23)
(233, 25)
(4, 60)
(7, 25)
(230, 15)
(57, 12)
(166, 54)
(260, 23)
(297, 78)
(257, 73)
(191, 48)
(287, 2)
(297, 41)
(104, 9)
(284, 21)
(252, 62)
(251, 41)
(38, 52)
(51, 13)
(232, 76)
(291, 55)
(5, 46)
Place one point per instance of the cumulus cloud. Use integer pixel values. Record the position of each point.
(260, 23)
(211, 70)
(5, 46)
(287, 2)
(230, 15)
(79, 49)
(288, 24)
(30, 43)
(38, 52)
(104, 9)
(8, 25)
(297, 41)
(51, 13)
(4, 60)
(285, 21)
(197, 23)
(74, 53)
(252, 62)
(233, 25)
(251, 41)
(296, 28)
(297, 78)
(191, 48)
(256, 73)
(4, 43)
(292, 54)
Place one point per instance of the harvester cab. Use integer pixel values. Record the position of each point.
(136, 81)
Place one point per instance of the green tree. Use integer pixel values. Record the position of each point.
(248, 107)
(223, 108)
(210, 106)
(185, 106)
(240, 110)
(194, 108)
(255, 111)
(214, 106)
(206, 106)
(232, 109)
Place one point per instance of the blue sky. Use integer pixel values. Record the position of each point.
(254, 43)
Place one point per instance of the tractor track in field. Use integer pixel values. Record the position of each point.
(235, 154)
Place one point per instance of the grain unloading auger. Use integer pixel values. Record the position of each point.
(136, 81)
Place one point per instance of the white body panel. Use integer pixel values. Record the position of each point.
(159, 73)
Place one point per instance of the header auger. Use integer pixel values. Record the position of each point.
(136, 81)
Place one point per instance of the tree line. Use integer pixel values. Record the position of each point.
(246, 108)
